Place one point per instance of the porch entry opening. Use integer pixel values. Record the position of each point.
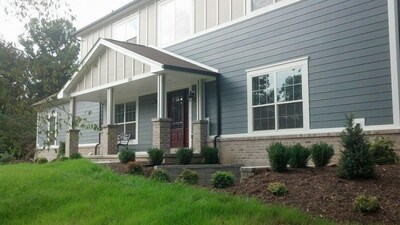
(178, 103)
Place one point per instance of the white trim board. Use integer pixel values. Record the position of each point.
(393, 20)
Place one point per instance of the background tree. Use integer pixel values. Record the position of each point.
(52, 52)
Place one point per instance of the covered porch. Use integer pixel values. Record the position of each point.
(159, 100)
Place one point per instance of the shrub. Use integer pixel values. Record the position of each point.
(355, 160)
(278, 155)
(382, 151)
(222, 179)
(61, 150)
(75, 155)
(188, 177)
(277, 188)
(136, 168)
(365, 204)
(184, 155)
(156, 156)
(63, 158)
(6, 158)
(322, 154)
(41, 160)
(210, 155)
(298, 156)
(159, 175)
(125, 156)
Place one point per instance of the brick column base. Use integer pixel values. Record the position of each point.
(200, 134)
(109, 140)
(71, 142)
(162, 133)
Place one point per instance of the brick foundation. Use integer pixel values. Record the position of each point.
(162, 133)
(108, 144)
(200, 134)
(251, 151)
(71, 142)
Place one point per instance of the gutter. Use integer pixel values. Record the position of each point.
(216, 137)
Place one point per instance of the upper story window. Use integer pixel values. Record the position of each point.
(126, 30)
(278, 96)
(257, 4)
(175, 20)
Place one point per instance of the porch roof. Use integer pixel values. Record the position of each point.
(159, 60)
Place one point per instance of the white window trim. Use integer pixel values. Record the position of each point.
(249, 5)
(136, 99)
(49, 115)
(299, 62)
(124, 20)
(192, 24)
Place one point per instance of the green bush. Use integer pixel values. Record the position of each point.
(279, 156)
(210, 155)
(298, 156)
(277, 188)
(126, 156)
(382, 151)
(136, 168)
(222, 179)
(156, 156)
(41, 160)
(321, 154)
(75, 155)
(355, 160)
(61, 150)
(188, 177)
(184, 155)
(63, 158)
(365, 204)
(159, 175)
(6, 158)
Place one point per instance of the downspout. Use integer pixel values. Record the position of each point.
(218, 112)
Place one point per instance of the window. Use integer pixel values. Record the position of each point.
(278, 96)
(52, 128)
(126, 30)
(125, 118)
(175, 20)
(257, 4)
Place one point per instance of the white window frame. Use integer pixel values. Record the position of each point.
(135, 140)
(299, 62)
(49, 115)
(192, 22)
(125, 20)
(275, 4)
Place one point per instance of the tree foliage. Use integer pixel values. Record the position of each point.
(52, 53)
(355, 160)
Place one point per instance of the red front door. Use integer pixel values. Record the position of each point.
(178, 112)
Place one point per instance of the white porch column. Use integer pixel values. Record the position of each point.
(200, 126)
(109, 131)
(161, 124)
(200, 100)
(72, 136)
(110, 106)
(161, 96)
(72, 111)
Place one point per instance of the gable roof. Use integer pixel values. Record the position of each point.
(158, 60)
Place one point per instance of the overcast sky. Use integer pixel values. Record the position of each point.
(86, 11)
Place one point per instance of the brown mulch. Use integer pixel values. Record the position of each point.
(320, 192)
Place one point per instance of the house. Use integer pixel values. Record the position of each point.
(237, 74)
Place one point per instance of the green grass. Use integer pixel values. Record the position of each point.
(79, 192)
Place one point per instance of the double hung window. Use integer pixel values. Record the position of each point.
(125, 118)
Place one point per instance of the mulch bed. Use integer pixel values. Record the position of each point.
(320, 192)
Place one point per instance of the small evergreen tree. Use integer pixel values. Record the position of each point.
(355, 160)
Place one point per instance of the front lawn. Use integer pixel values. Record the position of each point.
(79, 192)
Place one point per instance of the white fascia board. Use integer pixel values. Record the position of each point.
(186, 59)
